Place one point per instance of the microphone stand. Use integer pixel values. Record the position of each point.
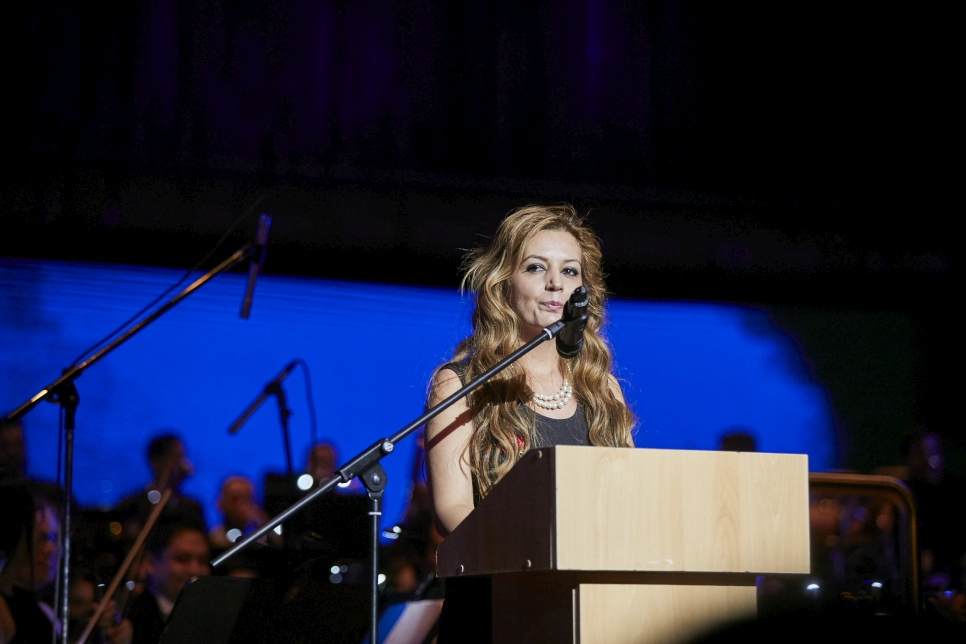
(63, 392)
(367, 467)
(273, 388)
(283, 413)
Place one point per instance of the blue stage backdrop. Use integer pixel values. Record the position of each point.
(690, 372)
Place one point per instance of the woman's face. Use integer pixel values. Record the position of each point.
(543, 280)
(45, 547)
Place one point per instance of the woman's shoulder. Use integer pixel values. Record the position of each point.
(447, 379)
(459, 368)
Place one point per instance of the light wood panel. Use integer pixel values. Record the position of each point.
(681, 510)
(636, 614)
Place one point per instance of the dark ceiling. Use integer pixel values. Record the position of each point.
(787, 152)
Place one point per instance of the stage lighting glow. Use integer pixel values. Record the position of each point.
(305, 482)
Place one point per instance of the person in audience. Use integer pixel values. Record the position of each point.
(13, 466)
(82, 602)
(28, 552)
(321, 462)
(175, 554)
(169, 467)
(240, 514)
(13, 451)
(939, 501)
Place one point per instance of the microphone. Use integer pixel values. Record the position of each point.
(258, 256)
(571, 338)
(271, 388)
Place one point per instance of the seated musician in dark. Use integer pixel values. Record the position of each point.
(521, 282)
(169, 467)
(29, 556)
(175, 554)
(22, 617)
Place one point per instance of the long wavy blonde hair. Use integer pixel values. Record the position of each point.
(499, 417)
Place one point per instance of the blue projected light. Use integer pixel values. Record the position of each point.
(690, 372)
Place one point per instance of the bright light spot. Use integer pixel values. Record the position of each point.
(877, 584)
(381, 579)
(129, 585)
(154, 496)
(336, 578)
(233, 534)
(278, 529)
(344, 484)
(305, 482)
(334, 570)
(811, 587)
(396, 529)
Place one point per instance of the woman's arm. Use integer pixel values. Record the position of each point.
(447, 456)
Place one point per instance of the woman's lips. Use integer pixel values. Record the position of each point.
(553, 306)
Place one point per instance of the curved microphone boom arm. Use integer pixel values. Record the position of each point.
(63, 392)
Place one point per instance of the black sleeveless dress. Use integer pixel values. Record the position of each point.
(467, 604)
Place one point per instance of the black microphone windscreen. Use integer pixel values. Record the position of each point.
(258, 256)
(570, 340)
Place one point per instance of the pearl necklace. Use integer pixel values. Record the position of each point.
(555, 401)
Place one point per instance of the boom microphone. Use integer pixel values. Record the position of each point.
(258, 256)
(273, 387)
(571, 338)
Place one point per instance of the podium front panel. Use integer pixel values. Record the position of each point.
(681, 510)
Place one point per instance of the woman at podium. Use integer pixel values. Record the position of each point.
(521, 282)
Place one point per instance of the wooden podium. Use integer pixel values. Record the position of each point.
(593, 544)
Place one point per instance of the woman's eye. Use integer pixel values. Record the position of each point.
(572, 272)
(533, 268)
